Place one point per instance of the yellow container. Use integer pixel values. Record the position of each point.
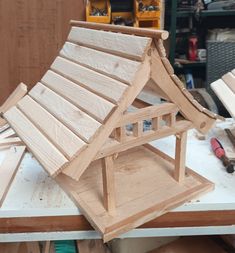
(99, 5)
(147, 15)
(152, 24)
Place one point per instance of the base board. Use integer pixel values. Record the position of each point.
(145, 189)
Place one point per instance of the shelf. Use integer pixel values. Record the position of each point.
(207, 13)
(190, 65)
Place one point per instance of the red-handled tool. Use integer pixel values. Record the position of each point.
(220, 153)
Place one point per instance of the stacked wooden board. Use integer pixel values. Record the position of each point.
(75, 122)
(225, 90)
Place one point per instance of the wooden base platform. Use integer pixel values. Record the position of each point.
(145, 189)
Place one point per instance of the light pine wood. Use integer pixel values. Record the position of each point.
(156, 123)
(92, 246)
(144, 187)
(65, 140)
(159, 34)
(33, 247)
(229, 79)
(167, 83)
(76, 168)
(45, 152)
(120, 134)
(112, 146)
(92, 104)
(108, 178)
(180, 155)
(225, 94)
(138, 129)
(7, 133)
(8, 142)
(15, 96)
(8, 169)
(4, 128)
(110, 65)
(75, 119)
(148, 113)
(97, 83)
(124, 45)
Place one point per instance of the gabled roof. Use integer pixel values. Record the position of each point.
(68, 116)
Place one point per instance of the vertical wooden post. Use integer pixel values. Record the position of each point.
(138, 129)
(156, 123)
(120, 133)
(108, 184)
(180, 152)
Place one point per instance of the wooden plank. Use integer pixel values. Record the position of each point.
(4, 128)
(138, 129)
(15, 96)
(100, 84)
(8, 169)
(108, 184)
(229, 79)
(160, 34)
(87, 101)
(113, 66)
(7, 133)
(180, 156)
(76, 168)
(148, 113)
(113, 147)
(45, 152)
(92, 246)
(123, 45)
(8, 142)
(65, 140)
(75, 119)
(225, 94)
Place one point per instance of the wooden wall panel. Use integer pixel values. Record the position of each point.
(31, 34)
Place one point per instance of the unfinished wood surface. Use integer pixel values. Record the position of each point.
(8, 142)
(229, 79)
(15, 96)
(75, 119)
(124, 45)
(113, 66)
(167, 83)
(147, 113)
(45, 152)
(100, 84)
(108, 184)
(112, 146)
(4, 128)
(225, 94)
(138, 129)
(92, 246)
(180, 155)
(7, 133)
(94, 105)
(8, 169)
(160, 34)
(65, 140)
(76, 168)
(191, 244)
(145, 189)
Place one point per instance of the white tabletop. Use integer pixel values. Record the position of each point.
(34, 193)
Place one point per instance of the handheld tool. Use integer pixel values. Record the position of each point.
(220, 153)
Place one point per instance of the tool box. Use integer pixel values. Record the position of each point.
(98, 11)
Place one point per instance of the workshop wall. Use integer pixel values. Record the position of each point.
(31, 34)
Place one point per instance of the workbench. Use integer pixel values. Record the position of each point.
(36, 208)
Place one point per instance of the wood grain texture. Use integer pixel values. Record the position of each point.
(33, 37)
(124, 45)
(111, 65)
(152, 33)
(100, 84)
(45, 152)
(229, 79)
(94, 105)
(225, 94)
(75, 119)
(64, 139)
(8, 142)
(8, 169)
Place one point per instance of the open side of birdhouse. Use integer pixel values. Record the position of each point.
(77, 123)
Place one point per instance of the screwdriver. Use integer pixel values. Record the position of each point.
(220, 153)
